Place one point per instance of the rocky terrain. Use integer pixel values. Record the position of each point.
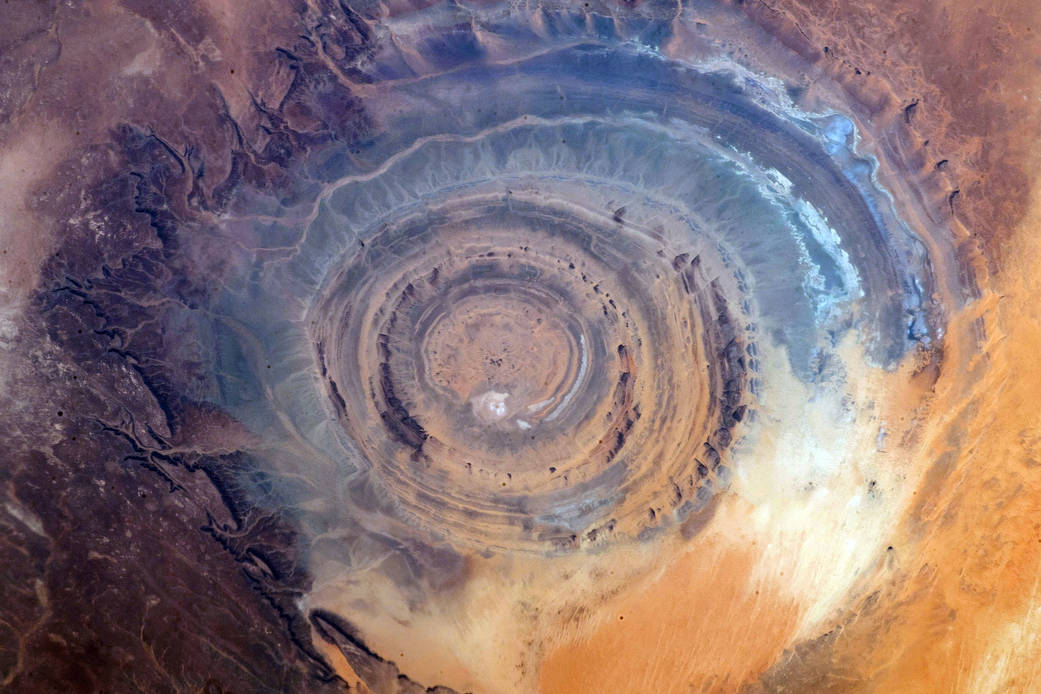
(519, 347)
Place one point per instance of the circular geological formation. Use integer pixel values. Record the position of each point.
(535, 319)
(526, 375)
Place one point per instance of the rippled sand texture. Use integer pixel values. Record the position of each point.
(508, 347)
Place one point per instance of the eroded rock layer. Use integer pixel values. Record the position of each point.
(508, 347)
(522, 373)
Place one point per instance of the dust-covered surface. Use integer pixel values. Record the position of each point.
(509, 347)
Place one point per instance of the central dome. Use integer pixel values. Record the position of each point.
(505, 352)
(525, 374)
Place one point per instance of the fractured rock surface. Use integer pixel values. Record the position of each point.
(496, 347)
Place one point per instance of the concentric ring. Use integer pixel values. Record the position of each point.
(524, 374)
